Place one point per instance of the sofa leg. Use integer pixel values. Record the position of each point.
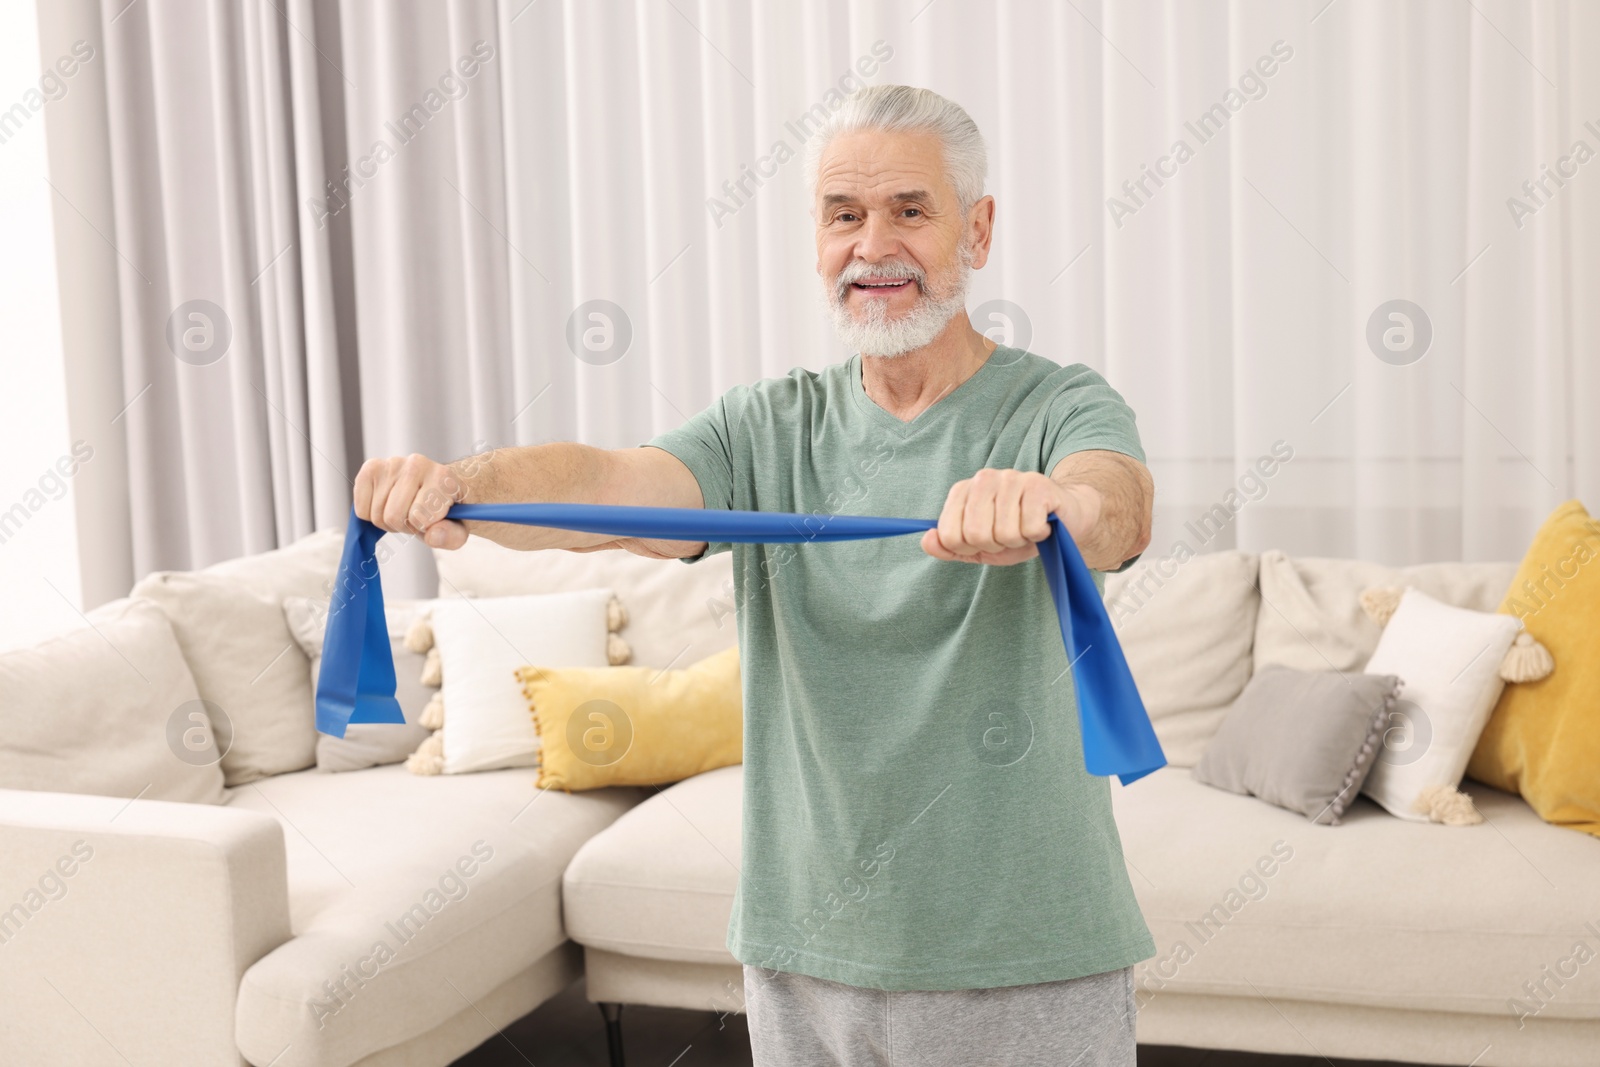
(612, 1013)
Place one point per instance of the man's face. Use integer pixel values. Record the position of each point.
(894, 252)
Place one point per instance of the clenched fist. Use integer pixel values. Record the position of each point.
(999, 516)
(410, 494)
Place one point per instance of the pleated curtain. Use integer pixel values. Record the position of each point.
(440, 227)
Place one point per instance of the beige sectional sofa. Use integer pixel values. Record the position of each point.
(375, 917)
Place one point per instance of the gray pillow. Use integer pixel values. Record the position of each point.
(1303, 740)
(366, 744)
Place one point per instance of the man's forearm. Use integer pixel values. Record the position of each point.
(567, 473)
(1119, 488)
(561, 472)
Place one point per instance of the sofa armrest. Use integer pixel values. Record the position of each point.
(125, 926)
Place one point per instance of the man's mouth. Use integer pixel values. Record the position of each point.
(882, 285)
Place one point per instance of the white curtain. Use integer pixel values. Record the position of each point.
(583, 220)
(1368, 157)
(225, 328)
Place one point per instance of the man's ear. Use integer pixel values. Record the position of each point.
(978, 230)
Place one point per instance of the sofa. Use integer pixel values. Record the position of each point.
(1378, 938)
(376, 917)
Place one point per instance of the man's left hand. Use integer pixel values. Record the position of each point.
(999, 516)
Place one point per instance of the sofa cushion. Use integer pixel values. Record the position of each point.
(110, 708)
(1187, 629)
(602, 726)
(1311, 618)
(1378, 911)
(659, 882)
(229, 622)
(678, 613)
(248, 667)
(1246, 899)
(406, 894)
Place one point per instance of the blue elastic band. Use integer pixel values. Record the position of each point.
(357, 680)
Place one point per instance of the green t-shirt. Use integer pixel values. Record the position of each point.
(916, 810)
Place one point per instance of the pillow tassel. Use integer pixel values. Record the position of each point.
(1442, 803)
(429, 756)
(618, 651)
(419, 635)
(1365, 757)
(1380, 601)
(432, 717)
(1526, 660)
(433, 669)
(616, 615)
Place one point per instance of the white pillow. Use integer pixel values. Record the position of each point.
(1448, 661)
(678, 613)
(482, 641)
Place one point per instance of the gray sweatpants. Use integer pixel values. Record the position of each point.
(799, 1021)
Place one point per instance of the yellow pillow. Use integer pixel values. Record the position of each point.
(1543, 740)
(601, 726)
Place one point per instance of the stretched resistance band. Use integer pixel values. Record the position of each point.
(357, 680)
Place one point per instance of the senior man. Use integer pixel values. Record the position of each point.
(929, 876)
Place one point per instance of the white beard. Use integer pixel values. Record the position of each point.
(874, 333)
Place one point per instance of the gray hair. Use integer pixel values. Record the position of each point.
(908, 108)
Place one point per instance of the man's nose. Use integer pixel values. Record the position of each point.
(877, 239)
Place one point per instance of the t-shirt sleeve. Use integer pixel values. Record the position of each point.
(1089, 415)
(704, 444)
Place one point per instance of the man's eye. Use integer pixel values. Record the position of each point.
(917, 210)
(844, 216)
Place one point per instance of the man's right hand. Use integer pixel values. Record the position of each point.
(410, 494)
